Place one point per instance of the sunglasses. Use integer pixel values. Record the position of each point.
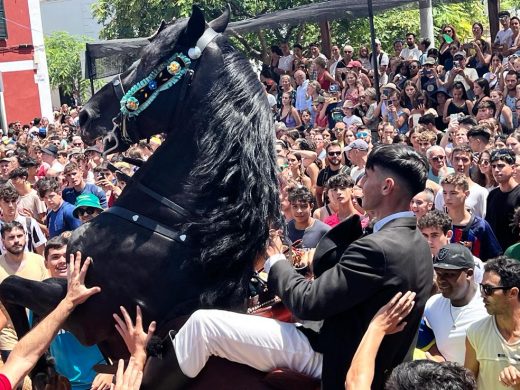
(484, 162)
(86, 210)
(77, 144)
(438, 158)
(448, 31)
(334, 154)
(458, 58)
(488, 290)
(362, 134)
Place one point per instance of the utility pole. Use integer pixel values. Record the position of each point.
(426, 14)
(493, 9)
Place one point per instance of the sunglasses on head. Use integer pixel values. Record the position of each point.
(488, 290)
(86, 210)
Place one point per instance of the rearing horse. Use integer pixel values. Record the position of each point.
(186, 230)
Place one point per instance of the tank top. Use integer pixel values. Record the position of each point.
(324, 83)
(454, 109)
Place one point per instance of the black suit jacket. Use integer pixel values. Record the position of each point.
(361, 279)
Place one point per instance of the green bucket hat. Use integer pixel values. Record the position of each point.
(86, 200)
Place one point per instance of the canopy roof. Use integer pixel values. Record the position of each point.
(108, 58)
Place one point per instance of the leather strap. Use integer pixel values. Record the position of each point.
(147, 223)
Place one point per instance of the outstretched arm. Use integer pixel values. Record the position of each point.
(388, 320)
(29, 349)
(134, 336)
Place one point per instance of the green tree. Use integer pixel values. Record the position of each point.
(63, 58)
(130, 19)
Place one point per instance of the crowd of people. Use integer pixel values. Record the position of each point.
(453, 103)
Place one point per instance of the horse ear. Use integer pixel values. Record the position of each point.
(196, 25)
(220, 23)
(154, 35)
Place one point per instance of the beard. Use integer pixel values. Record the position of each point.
(15, 250)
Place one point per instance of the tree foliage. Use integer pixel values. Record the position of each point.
(131, 18)
(64, 52)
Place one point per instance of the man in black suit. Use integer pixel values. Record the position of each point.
(354, 278)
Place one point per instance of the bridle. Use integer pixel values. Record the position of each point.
(179, 68)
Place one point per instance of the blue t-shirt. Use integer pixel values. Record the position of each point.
(62, 220)
(69, 194)
(74, 360)
(478, 237)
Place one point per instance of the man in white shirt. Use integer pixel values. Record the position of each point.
(461, 73)
(459, 304)
(493, 343)
(411, 52)
(504, 38)
(302, 102)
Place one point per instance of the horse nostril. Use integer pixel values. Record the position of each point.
(83, 118)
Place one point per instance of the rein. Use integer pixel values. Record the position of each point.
(178, 68)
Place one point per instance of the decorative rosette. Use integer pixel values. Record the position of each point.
(132, 104)
(173, 68)
(152, 85)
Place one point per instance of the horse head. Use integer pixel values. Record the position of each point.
(179, 54)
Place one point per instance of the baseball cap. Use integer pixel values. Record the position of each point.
(86, 200)
(429, 61)
(358, 144)
(454, 256)
(460, 53)
(51, 149)
(334, 88)
(391, 86)
(354, 64)
(377, 41)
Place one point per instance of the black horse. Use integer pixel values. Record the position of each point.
(188, 227)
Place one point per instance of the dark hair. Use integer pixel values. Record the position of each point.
(46, 185)
(435, 219)
(7, 192)
(462, 149)
(410, 33)
(56, 242)
(479, 25)
(428, 119)
(459, 85)
(426, 42)
(404, 162)
(300, 194)
(511, 72)
(276, 49)
(8, 226)
(499, 55)
(297, 46)
(427, 374)
(340, 180)
(19, 172)
(508, 269)
(480, 131)
(468, 120)
(505, 155)
(488, 104)
(484, 84)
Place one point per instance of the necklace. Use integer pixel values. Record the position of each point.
(454, 320)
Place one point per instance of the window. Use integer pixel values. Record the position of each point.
(3, 22)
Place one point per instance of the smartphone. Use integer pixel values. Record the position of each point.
(454, 117)
(101, 176)
(456, 64)
(390, 103)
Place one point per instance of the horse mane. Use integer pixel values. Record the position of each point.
(232, 188)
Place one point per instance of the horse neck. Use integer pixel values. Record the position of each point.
(164, 173)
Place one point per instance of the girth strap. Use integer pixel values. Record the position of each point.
(147, 223)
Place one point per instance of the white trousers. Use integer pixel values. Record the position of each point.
(262, 343)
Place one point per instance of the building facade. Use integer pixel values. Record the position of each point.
(23, 64)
